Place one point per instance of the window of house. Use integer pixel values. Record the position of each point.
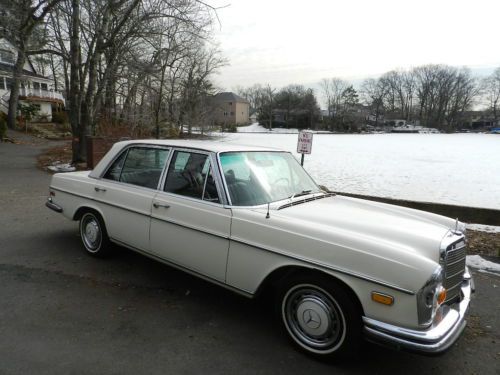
(2, 83)
(9, 82)
(44, 86)
(36, 85)
(192, 177)
(7, 56)
(141, 166)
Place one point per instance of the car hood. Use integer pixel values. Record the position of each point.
(396, 245)
(411, 230)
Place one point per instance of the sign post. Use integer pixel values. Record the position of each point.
(304, 144)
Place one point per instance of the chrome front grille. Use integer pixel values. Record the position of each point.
(453, 262)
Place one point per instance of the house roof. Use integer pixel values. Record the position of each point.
(6, 68)
(229, 97)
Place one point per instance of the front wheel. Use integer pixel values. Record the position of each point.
(320, 316)
(93, 234)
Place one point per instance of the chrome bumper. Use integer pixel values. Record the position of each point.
(53, 206)
(440, 336)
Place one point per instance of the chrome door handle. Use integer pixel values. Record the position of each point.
(99, 189)
(158, 205)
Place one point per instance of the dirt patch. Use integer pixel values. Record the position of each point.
(57, 155)
(483, 243)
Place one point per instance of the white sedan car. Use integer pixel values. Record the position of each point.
(251, 219)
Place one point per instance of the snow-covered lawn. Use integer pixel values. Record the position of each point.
(483, 265)
(460, 169)
(484, 228)
(256, 128)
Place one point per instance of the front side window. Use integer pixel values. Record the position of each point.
(141, 166)
(190, 175)
(255, 178)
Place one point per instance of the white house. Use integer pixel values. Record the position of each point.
(35, 89)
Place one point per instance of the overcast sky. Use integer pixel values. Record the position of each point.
(282, 42)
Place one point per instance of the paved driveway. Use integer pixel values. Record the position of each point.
(63, 312)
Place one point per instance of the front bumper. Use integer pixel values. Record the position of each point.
(440, 336)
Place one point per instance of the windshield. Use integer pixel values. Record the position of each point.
(256, 177)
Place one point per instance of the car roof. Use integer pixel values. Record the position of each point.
(206, 145)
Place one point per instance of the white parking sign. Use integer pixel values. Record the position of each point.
(304, 144)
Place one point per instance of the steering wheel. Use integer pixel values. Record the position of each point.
(282, 179)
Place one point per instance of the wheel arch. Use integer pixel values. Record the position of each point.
(280, 274)
(87, 208)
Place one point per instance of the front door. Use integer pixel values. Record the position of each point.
(189, 225)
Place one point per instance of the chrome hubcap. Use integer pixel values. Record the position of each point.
(313, 318)
(91, 233)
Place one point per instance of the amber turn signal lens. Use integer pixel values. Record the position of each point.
(384, 299)
(441, 296)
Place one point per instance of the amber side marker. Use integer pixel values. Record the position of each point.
(382, 298)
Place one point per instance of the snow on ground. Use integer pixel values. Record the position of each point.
(257, 128)
(483, 228)
(460, 169)
(483, 265)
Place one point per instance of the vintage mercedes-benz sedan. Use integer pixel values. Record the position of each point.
(251, 219)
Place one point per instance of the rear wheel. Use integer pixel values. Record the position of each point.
(320, 316)
(93, 234)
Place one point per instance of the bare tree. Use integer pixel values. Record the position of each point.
(131, 62)
(373, 92)
(491, 92)
(332, 90)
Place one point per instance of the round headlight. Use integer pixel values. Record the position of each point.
(430, 297)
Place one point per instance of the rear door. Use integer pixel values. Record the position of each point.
(125, 193)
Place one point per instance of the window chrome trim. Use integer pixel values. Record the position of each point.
(168, 194)
(163, 180)
(127, 149)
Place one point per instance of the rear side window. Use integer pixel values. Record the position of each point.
(141, 166)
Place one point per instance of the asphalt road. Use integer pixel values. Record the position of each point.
(63, 312)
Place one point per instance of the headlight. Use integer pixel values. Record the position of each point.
(430, 297)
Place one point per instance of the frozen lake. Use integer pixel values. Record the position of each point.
(461, 169)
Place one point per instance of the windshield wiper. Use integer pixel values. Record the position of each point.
(300, 193)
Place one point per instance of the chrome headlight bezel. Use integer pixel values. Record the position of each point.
(427, 297)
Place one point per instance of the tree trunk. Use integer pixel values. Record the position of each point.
(14, 91)
(78, 129)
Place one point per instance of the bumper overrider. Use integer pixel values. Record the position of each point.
(53, 206)
(447, 327)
